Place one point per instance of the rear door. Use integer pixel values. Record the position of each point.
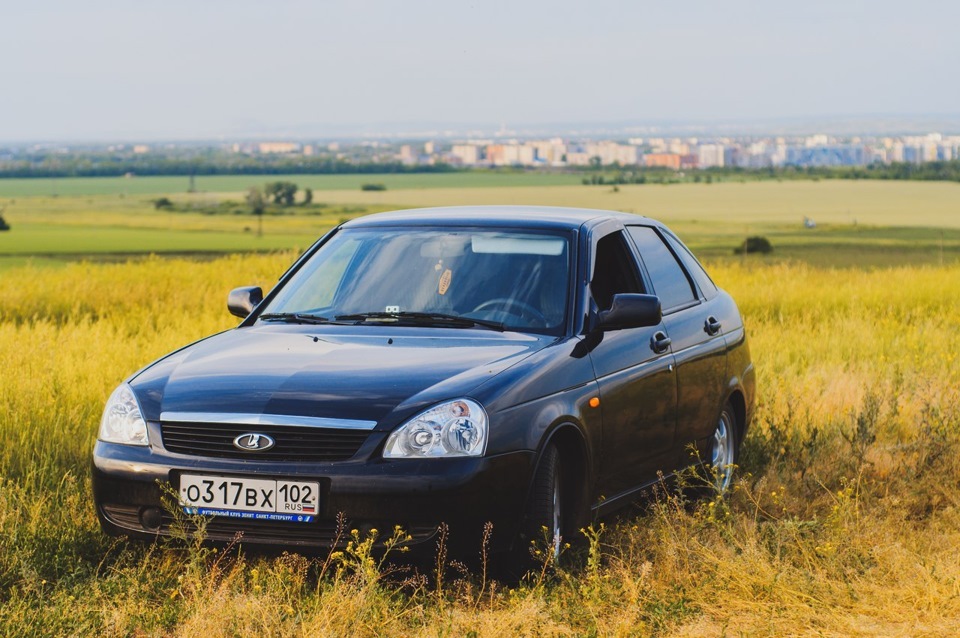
(691, 317)
(638, 388)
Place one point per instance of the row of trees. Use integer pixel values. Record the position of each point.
(946, 171)
(109, 166)
(280, 193)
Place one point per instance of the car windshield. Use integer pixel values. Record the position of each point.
(517, 280)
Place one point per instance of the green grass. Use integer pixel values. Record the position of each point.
(102, 226)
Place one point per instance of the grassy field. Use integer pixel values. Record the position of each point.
(834, 202)
(877, 223)
(845, 520)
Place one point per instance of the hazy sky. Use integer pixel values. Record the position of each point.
(147, 69)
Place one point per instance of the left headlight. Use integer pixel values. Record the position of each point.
(455, 428)
(122, 420)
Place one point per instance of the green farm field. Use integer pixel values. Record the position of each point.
(844, 519)
(876, 222)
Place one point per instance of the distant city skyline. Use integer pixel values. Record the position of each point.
(181, 70)
(677, 153)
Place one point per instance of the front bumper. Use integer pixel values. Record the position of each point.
(418, 495)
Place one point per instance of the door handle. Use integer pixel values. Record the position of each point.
(711, 326)
(660, 342)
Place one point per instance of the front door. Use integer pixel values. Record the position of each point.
(693, 318)
(635, 374)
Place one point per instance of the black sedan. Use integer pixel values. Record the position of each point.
(530, 367)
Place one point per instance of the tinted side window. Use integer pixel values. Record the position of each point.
(693, 267)
(614, 270)
(669, 280)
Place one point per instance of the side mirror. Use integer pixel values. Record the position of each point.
(242, 301)
(631, 311)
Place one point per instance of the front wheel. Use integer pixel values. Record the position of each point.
(547, 502)
(723, 453)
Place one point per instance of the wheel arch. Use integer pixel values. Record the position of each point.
(739, 404)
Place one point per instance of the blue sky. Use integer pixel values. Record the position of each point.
(186, 69)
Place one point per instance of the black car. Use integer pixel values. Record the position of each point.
(525, 366)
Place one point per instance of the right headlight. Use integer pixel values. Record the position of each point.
(122, 420)
(455, 428)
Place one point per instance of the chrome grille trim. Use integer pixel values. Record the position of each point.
(266, 419)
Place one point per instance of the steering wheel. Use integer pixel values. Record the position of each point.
(525, 309)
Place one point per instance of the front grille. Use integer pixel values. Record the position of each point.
(292, 443)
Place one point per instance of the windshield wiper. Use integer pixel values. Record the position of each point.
(293, 317)
(423, 318)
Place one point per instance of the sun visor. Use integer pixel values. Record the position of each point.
(548, 246)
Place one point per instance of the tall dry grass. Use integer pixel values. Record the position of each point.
(844, 521)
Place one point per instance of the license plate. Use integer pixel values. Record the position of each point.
(256, 499)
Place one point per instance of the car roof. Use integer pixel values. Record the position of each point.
(520, 216)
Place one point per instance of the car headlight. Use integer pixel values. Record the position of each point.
(455, 428)
(122, 420)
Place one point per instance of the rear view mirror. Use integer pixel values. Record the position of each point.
(242, 301)
(631, 311)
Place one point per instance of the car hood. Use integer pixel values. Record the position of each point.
(341, 372)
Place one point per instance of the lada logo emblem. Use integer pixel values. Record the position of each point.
(252, 442)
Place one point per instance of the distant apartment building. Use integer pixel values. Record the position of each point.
(678, 147)
(709, 155)
(551, 152)
(511, 154)
(578, 158)
(140, 149)
(657, 145)
(665, 160)
(466, 154)
(912, 154)
(278, 148)
(831, 155)
(495, 154)
(895, 151)
(623, 154)
(779, 155)
(515, 154)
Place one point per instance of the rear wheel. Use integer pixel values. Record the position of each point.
(723, 452)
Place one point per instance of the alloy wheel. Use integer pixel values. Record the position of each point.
(722, 456)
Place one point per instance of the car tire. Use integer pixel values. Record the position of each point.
(548, 503)
(724, 449)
